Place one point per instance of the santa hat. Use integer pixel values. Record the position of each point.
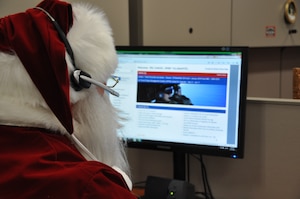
(33, 37)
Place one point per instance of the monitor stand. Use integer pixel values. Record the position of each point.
(179, 165)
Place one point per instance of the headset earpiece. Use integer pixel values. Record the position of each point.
(78, 83)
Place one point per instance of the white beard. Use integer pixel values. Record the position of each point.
(95, 125)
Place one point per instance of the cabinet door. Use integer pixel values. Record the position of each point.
(258, 23)
(188, 22)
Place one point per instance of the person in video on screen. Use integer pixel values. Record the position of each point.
(178, 97)
(164, 93)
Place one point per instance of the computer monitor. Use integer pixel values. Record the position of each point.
(183, 99)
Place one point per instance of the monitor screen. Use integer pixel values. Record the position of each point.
(187, 99)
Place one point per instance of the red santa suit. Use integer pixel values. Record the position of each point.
(55, 141)
(39, 164)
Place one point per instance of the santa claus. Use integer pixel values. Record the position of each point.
(57, 126)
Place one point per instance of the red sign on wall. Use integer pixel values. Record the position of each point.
(270, 31)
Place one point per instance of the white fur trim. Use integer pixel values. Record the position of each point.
(21, 104)
(125, 177)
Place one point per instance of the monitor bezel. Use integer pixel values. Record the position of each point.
(236, 153)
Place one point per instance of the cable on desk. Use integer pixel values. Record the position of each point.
(207, 190)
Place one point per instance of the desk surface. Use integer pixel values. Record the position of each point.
(139, 192)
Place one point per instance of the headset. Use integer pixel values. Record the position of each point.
(79, 79)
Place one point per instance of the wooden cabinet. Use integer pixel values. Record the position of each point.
(252, 23)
